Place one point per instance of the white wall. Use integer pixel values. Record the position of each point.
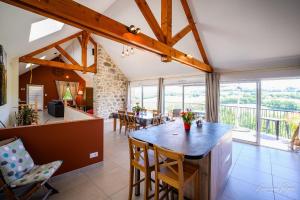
(259, 74)
(7, 110)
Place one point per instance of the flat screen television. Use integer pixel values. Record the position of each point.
(3, 76)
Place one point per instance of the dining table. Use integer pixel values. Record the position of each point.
(208, 146)
(143, 118)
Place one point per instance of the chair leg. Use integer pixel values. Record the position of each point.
(146, 189)
(120, 129)
(156, 196)
(50, 187)
(130, 182)
(180, 194)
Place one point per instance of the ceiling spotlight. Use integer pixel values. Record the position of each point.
(123, 53)
(133, 29)
(137, 31)
(127, 52)
(189, 55)
(132, 50)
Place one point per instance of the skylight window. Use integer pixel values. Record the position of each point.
(43, 28)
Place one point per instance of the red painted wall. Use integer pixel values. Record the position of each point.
(47, 76)
(71, 142)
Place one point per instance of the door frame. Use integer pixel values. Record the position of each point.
(27, 93)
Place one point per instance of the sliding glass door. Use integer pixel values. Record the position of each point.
(238, 107)
(280, 111)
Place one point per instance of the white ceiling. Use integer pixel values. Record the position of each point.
(237, 34)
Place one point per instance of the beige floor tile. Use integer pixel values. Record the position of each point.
(68, 181)
(87, 191)
(111, 182)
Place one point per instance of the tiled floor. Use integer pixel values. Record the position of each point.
(257, 173)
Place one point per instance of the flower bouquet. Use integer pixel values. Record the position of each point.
(187, 118)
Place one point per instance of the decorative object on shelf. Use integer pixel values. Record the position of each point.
(187, 118)
(137, 108)
(26, 115)
(199, 123)
(3, 76)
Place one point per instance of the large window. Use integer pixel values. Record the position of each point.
(184, 97)
(194, 98)
(146, 96)
(173, 98)
(135, 96)
(150, 97)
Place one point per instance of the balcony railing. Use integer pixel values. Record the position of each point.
(246, 117)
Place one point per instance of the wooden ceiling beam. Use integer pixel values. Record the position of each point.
(95, 49)
(191, 21)
(148, 15)
(87, 19)
(66, 55)
(166, 24)
(84, 41)
(41, 50)
(55, 64)
(180, 35)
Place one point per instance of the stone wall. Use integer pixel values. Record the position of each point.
(110, 86)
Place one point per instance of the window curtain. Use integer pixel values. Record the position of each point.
(212, 96)
(160, 95)
(61, 87)
(74, 90)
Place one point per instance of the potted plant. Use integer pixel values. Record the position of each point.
(26, 116)
(137, 108)
(187, 118)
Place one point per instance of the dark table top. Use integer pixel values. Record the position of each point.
(194, 145)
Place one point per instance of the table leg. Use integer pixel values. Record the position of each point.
(277, 129)
(115, 124)
(137, 179)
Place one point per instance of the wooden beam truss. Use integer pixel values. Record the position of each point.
(193, 27)
(89, 20)
(29, 58)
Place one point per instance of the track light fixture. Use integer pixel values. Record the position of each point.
(128, 51)
(133, 29)
(123, 53)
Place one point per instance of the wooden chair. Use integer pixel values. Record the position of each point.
(141, 158)
(157, 118)
(122, 119)
(174, 172)
(295, 141)
(24, 187)
(132, 125)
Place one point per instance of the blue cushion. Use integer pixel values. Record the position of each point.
(15, 161)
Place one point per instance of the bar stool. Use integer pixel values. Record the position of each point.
(141, 158)
(174, 172)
